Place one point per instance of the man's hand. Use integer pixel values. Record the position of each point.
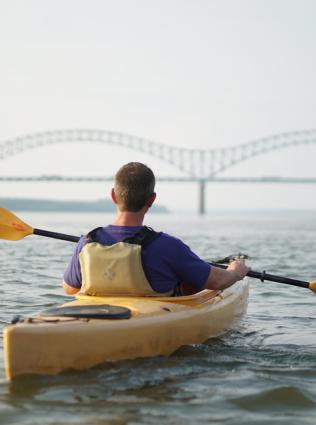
(239, 268)
(223, 278)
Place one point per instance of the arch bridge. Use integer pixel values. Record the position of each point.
(201, 165)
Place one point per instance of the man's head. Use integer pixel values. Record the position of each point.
(134, 187)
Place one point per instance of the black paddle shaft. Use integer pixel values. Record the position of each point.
(55, 235)
(266, 276)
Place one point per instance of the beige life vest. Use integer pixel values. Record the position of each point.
(114, 270)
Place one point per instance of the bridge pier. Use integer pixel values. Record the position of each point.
(202, 184)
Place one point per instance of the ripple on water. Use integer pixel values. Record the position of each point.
(289, 398)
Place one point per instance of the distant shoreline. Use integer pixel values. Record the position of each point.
(48, 205)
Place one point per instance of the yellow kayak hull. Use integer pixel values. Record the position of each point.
(158, 326)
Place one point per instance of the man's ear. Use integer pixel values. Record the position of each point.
(151, 199)
(113, 196)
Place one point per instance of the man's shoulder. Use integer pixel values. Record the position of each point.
(168, 240)
(167, 236)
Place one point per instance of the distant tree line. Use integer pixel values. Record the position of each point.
(26, 204)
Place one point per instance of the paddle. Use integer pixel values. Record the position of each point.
(279, 279)
(14, 229)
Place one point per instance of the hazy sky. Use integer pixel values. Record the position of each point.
(191, 73)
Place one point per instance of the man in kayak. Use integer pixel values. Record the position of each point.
(128, 258)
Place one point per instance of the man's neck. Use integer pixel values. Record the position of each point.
(126, 218)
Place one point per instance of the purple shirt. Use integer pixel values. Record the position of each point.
(166, 260)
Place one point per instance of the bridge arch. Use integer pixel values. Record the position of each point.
(196, 163)
(170, 154)
(243, 152)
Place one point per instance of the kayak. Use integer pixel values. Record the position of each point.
(93, 330)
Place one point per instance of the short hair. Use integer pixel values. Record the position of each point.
(134, 183)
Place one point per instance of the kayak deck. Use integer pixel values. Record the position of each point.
(157, 326)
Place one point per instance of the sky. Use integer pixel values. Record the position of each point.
(198, 74)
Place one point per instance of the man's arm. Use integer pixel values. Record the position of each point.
(72, 276)
(223, 278)
(70, 290)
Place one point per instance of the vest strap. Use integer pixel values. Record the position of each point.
(143, 237)
(92, 234)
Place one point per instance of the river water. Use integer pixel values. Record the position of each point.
(261, 371)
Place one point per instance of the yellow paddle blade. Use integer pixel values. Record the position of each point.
(312, 286)
(11, 227)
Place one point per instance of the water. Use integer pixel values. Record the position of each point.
(261, 371)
